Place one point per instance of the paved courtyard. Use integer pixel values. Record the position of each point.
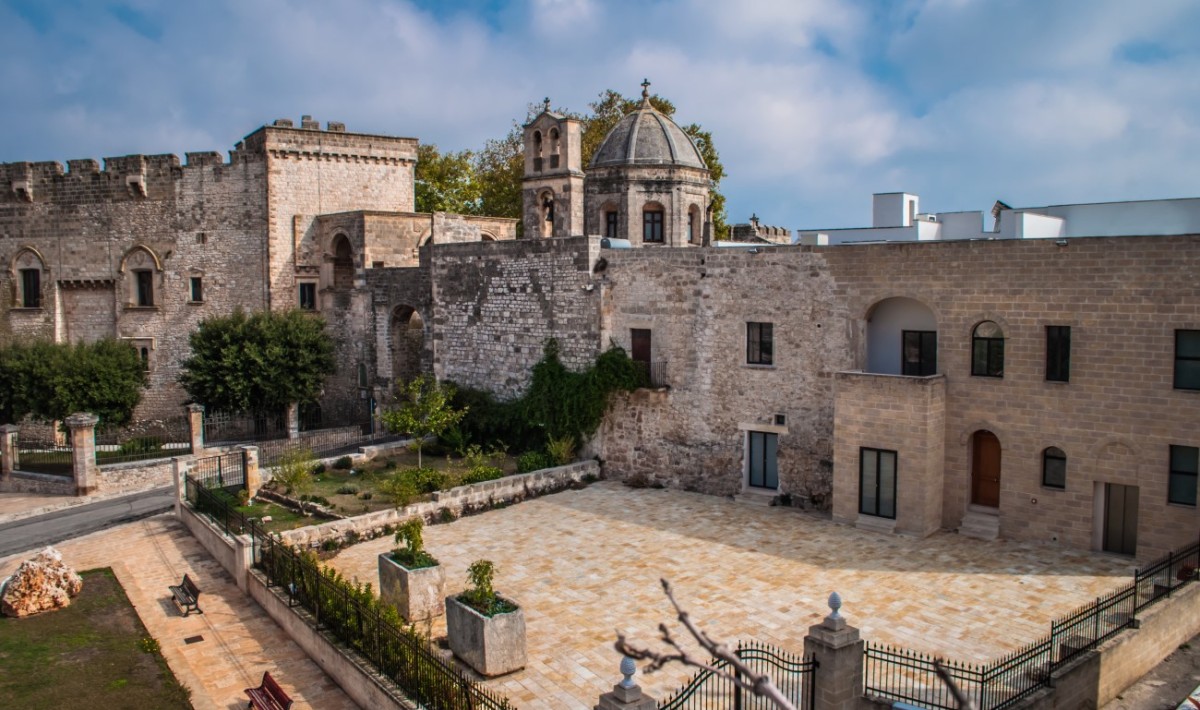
(584, 563)
(239, 641)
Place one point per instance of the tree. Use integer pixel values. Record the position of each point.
(294, 473)
(258, 363)
(424, 410)
(49, 381)
(499, 168)
(446, 182)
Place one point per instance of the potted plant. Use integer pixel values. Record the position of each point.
(410, 578)
(486, 631)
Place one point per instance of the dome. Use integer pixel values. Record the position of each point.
(647, 137)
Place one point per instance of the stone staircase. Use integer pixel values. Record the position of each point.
(759, 497)
(980, 523)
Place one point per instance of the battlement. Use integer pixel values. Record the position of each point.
(755, 231)
(282, 139)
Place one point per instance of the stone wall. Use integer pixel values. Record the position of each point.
(496, 303)
(134, 476)
(41, 483)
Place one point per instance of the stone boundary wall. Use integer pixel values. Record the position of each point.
(509, 489)
(222, 548)
(135, 476)
(29, 482)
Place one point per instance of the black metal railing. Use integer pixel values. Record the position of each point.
(351, 614)
(37, 456)
(148, 440)
(226, 471)
(791, 673)
(905, 675)
(655, 372)
(242, 427)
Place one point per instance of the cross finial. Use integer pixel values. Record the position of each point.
(646, 89)
(546, 104)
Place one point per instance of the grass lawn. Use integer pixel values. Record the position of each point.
(95, 653)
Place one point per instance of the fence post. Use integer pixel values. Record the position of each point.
(83, 451)
(293, 420)
(195, 416)
(626, 695)
(8, 451)
(838, 651)
(179, 470)
(250, 472)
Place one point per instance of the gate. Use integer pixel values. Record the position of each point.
(225, 471)
(792, 674)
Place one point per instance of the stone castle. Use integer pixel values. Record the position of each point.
(990, 382)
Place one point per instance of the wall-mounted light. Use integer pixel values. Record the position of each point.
(1061, 242)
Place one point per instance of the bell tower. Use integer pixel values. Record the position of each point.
(552, 189)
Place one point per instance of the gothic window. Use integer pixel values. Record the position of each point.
(343, 263)
(142, 273)
(28, 269)
(145, 287)
(652, 224)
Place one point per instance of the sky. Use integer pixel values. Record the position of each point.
(813, 104)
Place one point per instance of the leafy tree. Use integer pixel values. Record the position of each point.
(53, 380)
(258, 363)
(294, 473)
(499, 168)
(424, 410)
(446, 182)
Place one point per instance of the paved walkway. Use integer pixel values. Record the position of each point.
(239, 640)
(14, 506)
(583, 563)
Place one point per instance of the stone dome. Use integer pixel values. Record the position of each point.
(647, 137)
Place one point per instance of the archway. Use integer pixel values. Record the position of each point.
(408, 339)
(901, 338)
(985, 469)
(343, 263)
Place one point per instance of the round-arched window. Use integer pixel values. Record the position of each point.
(987, 350)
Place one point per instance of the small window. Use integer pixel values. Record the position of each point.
(308, 296)
(1187, 359)
(145, 355)
(691, 226)
(1058, 353)
(196, 293)
(652, 225)
(987, 350)
(362, 375)
(31, 288)
(1054, 468)
(1181, 488)
(760, 343)
(610, 224)
(145, 287)
(920, 353)
(877, 482)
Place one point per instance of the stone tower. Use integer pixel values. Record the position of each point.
(552, 194)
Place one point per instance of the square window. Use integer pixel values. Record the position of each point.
(1181, 487)
(652, 226)
(1054, 468)
(877, 482)
(1187, 359)
(760, 344)
(920, 353)
(196, 290)
(1058, 353)
(610, 225)
(308, 296)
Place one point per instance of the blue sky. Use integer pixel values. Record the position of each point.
(813, 104)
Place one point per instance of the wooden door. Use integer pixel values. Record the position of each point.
(641, 344)
(985, 469)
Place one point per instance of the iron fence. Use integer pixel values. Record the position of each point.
(792, 674)
(655, 372)
(909, 676)
(224, 428)
(218, 504)
(148, 440)
(225, 471)
(41, 456)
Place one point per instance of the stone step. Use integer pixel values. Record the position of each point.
(980, 524)
(757, 497)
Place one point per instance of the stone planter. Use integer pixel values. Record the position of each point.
(492, 645)
(416, 593)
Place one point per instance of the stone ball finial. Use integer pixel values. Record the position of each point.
(628, 668)
(835, 603)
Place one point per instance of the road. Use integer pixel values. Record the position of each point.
(36, 532)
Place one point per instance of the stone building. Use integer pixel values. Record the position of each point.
(918, 375)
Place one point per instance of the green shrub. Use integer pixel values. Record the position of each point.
(344, 463)
(365, 495)
(319, 468)
(140, 445)
(398, 489)
(347, 490)
(425, 480)
(319, 500)
(412, 553)
(456, 440)
(482, 595)
(561, 450)
(481, 473)
(294, 472)
(533, 461)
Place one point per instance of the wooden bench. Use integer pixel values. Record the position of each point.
(268, 695)
(187, 595)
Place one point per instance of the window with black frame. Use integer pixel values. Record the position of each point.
(652, 225)
(1058, 353)
(1185, 464)
(920, 353)
(145, 287)
(987, 350)
(1054, 468)
(1187, 359)
(31, 288)
(760, 344)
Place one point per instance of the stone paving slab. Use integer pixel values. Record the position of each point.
(584, 563)
(240, 640)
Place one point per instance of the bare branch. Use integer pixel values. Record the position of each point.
(964, 703)
(742, 675)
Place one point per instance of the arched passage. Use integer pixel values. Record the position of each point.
(408, 339)
(901, 338)
(343, 263)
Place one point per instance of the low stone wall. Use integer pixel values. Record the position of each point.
(222, 548)
(460, 500)
(348, 669)
(41, 483)
(134, 476)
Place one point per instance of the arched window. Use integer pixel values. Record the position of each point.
(537, 151)
(28, 269)
(1054, 468)
(652, 223)
(693, 224)
(554, 148)
(547, 207)
(987, 350)
(343, 263)
(142, 274)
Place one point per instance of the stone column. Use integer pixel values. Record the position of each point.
(250, 469)
(838, 651)
(293, 420)
(83, 452)
(195, 415)
(179, 470)
(8, 451)
(626, 695)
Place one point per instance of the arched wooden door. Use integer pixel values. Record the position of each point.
(985, 469)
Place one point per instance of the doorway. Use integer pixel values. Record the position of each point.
(762, 464)
(985, 469)
(1120, 518)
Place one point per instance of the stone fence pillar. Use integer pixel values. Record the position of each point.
(179, 472)
(195, 415)
(626, 695)
(83, 451)
(293, 420)
(8, 451)
(250, 470)
(838, 650)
